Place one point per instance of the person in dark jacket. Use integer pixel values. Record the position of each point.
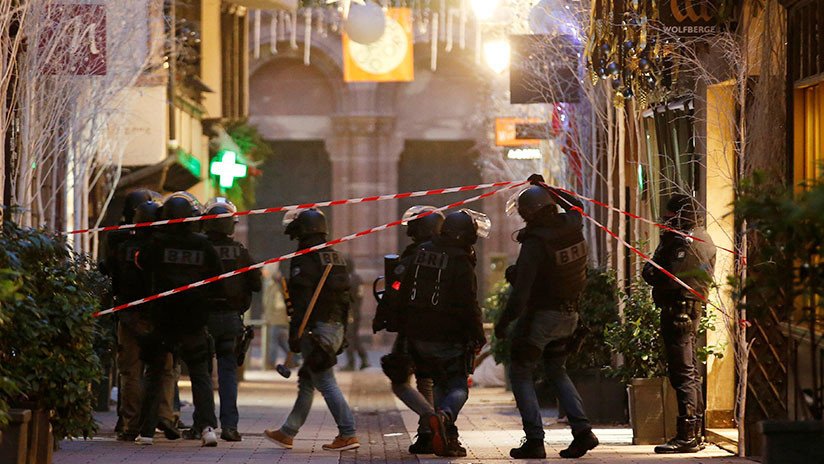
(323, 339)
(688, 253)
(177, 256)
(442, 320)
(398, 365)
(226, 316)
(548, 278)
(129, 283)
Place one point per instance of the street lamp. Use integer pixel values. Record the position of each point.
(484, 9)
(496, 54)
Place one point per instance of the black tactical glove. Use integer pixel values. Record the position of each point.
(536, 179)
(682, 323)
(294, 344)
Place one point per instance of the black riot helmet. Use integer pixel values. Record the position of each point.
(423, 228)
(465, 226)
(135, 198)
(530, 201)
(681, 212)
(225, 226)
(299, 224)
(181, 205)
(148, 211)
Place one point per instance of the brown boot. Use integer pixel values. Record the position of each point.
(342, 444)
(279, 438)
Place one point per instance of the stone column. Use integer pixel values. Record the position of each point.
(364, 153)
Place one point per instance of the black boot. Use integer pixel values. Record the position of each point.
(699, 432)
(453, 445)
(529, 449)
(581, 443)
(422, 445)
(685, 440)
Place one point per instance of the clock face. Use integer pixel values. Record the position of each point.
(383, 55)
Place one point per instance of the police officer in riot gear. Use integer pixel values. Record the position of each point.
(134, 325)
(398, 364)
(226, 317)
(442, 320)
(323, 338)
(692, 260)
(177, 256)
(548, 278)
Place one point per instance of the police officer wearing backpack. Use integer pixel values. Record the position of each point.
(134, 325)
(324, 336)
(177, 256)
(226, 316)
(548, 278)
(398, 365)
(692, 260)
(442, 320)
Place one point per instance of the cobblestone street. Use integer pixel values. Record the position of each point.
(489, 426)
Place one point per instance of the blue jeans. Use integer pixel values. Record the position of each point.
(544, 333)
(225, 328)
(278, 340)
(324, 381)
(448, 371)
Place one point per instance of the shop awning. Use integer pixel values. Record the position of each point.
(179, 171)
(289, 5)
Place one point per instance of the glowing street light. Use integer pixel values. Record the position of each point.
(484, 9)
(496, 54)
(227, 169)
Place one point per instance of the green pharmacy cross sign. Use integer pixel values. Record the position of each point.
(227, 169)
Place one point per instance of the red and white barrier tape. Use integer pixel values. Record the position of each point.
(509, 185)
(640, 253)
(278, 209)
(648, 221)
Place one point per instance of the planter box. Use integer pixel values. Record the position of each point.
(604, 398)
(791, 441)
(41, 440)
(14, 448)
(652, 410)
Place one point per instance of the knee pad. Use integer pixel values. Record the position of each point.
(398, 367)
(524, 353)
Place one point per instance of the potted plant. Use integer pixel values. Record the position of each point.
(652, 406)
(47, 344)
(785, 282)
(590, 356)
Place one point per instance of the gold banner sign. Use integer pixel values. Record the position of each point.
(689, 17)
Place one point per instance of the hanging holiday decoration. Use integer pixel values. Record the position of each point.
(389, 59)
(625, 49)
(365, 23)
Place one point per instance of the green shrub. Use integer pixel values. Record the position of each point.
(637, 339)
(47, 340)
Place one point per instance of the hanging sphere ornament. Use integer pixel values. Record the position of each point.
(643, 64)
(629, 48)
(366, 23)
(627, 93)
(617, 84)
(613, 69)
(602, 73)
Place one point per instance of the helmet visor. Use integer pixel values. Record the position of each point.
(291, 215)
(482, 223)
(512, 203)
(412, 213)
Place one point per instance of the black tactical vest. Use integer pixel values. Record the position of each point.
(563, 276)
(334, 299)
(432, 311)
(237, 292)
